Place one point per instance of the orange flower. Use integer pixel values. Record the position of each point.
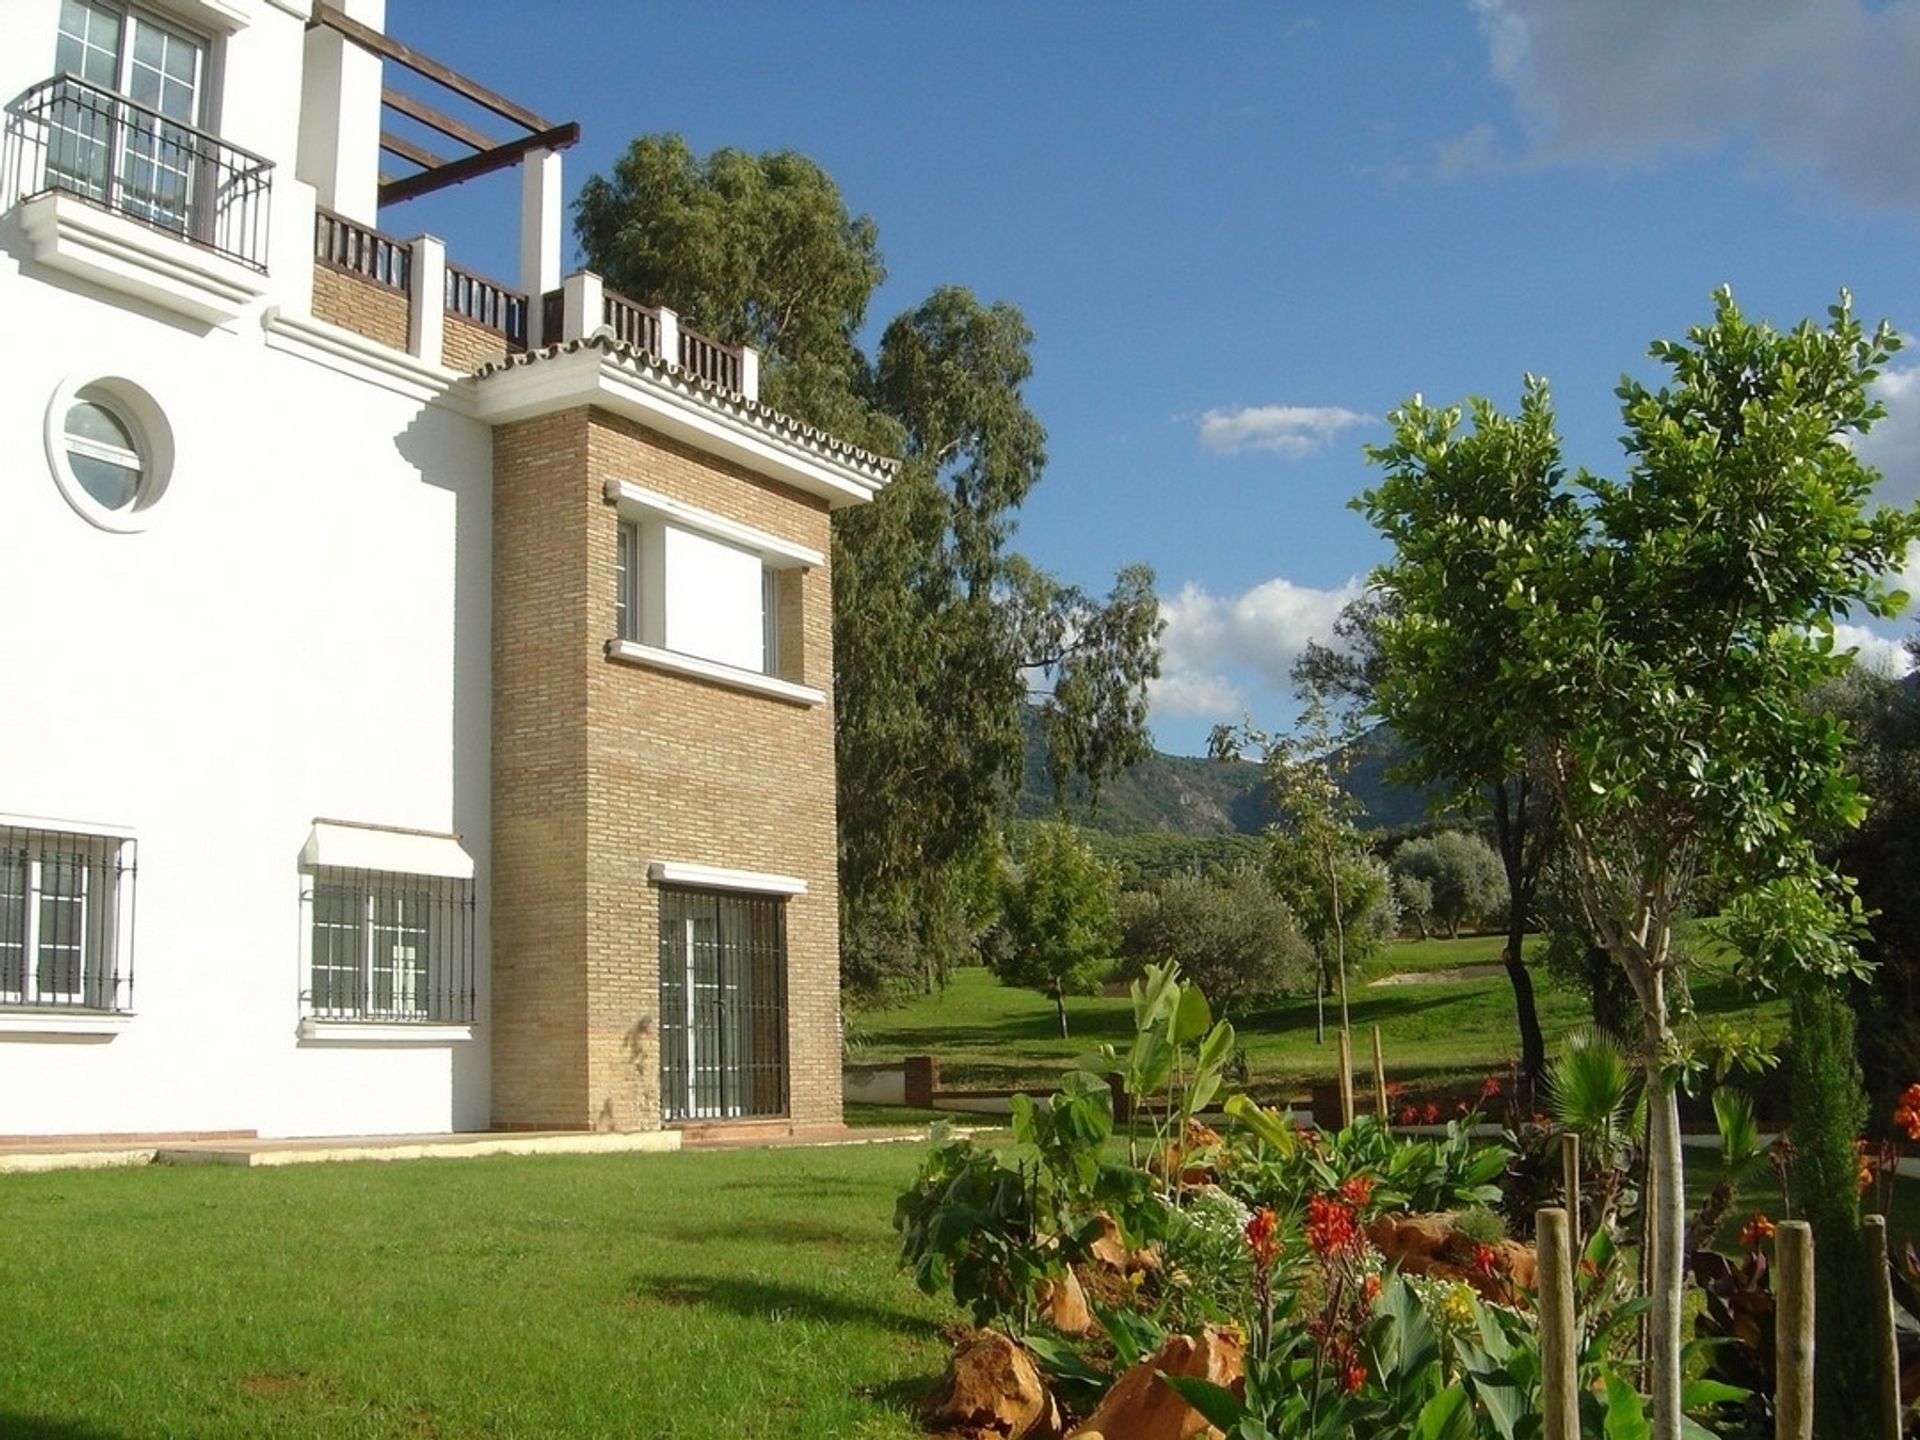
(1865, 1161)
(1756, 1231)
(1262, 1240)
(1490, 1087)
(1331, 1228)
(1355, 1377)
(1372, 1288)
(1357, 1190)
(1486, 1260)
(1906, 1113)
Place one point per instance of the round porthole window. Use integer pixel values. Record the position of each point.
(111, 451)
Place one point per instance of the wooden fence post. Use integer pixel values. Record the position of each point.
(1886, 1344)
(1570, 1181)
(1793, 1330)
(1380, 1080)
(1559, 1382)
(1346, 1079)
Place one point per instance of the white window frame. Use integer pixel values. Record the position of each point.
(640, 589)
(103, 856)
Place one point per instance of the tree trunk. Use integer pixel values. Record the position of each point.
(1533, 1045)
(1339, 938)
(1060, 1006)
(1667, 1217)
(1511, 827)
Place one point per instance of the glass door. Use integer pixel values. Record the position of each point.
(722, 1006)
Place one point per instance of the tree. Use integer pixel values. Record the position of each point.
(1654, 637)
(1058, 917)
(939, 629)
(1414, 899)
(1231, 935)
(1464, 879)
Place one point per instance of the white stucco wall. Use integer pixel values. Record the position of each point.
(302, 632)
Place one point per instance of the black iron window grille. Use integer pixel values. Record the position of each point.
(388, 947)
(723, 1005)
(71, 136)
(66, 919)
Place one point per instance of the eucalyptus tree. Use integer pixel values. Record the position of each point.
(1654, 640)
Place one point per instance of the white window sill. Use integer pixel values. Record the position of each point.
(99, 1023)
(634, 653)
(383, 1032)
(69, 234)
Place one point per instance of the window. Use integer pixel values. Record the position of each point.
(389, 947)
(723, 1005)
(110, 449)
(695, 584)
(66, 910)
(138, 158)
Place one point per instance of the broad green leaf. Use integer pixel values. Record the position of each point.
(1219, 1405)
(1191, 1019)
(1217, 1046)
(1447, 1416)
(1625, 1418)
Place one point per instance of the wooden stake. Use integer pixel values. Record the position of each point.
(1886, 1345)
(1346, 1079)
(1559, 1382)
(1793, 1328)
(1570, 1182)
(1380, 1080)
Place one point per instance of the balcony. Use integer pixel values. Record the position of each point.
(120, 193)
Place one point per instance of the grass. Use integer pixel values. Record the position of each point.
(989, 1035)
(734, 1293)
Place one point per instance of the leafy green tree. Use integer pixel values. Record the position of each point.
(1231, 935)
(1414, 899)
(1670, 625)
(941, 633)
(1465, 881)
(1058, 918)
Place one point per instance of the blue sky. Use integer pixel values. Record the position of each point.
(1242, 233)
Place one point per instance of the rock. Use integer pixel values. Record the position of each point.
(1199, 1139)
(1140, 1406)
(1065, 1304)
(993, 1392)
(1429, 1245)
(1110, 1252)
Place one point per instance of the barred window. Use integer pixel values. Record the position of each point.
(723, 1005)
(66, 919)
(389, 947)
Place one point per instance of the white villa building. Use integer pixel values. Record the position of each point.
(418, 713)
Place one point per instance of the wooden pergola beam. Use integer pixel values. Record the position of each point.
(407, 150)
(557, 137)
(434, 120)
(405, 55)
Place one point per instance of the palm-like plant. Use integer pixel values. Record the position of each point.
(1740, 1156)
(1593, 1090)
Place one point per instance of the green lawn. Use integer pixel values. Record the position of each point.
(735, 1293)
(987, 1034)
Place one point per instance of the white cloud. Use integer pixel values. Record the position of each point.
(1261, 631)
(1876, 652)
(1822, 88)
(1893, 445)
(1289, 430)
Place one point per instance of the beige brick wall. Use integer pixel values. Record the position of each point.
(356, 303)
(601, 767)
(467, 346)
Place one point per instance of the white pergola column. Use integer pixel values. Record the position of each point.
(427, 298)
(339, 153)
(586, 307)
(540, 213)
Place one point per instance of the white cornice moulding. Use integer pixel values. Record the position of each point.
(79, 1025)
(715, 877)
(343, 845)
(634, 653)
(677, 408)
(341, 349)
(55, 825)
(376, 1032)
(69, 234)
(771, 548)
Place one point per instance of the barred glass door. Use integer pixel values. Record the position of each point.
(723, 1006)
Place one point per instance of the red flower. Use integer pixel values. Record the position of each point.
(1432, 1113)
(1758, 1229)
(1357, 1190)
(1408, 1115)
(1331, 1227)
(1372, 1288)
(1262, 1240)
(1395, 1090)
(1906, 1114)
(1355, 1377)
(1589, 1269)
(1486, 1260)
(1865, 1161)
(1490, 1087)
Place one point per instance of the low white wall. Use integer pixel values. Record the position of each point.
(873, 1087)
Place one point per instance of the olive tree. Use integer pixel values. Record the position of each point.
(1059, 929)
(1654, 639)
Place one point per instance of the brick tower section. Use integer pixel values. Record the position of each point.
(602, 766)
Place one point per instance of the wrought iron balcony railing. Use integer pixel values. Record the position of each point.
(65, 135)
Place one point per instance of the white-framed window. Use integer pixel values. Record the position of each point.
(66, 918)
(389, 947)
(139, 158)
(110, 450)
(691, 583)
